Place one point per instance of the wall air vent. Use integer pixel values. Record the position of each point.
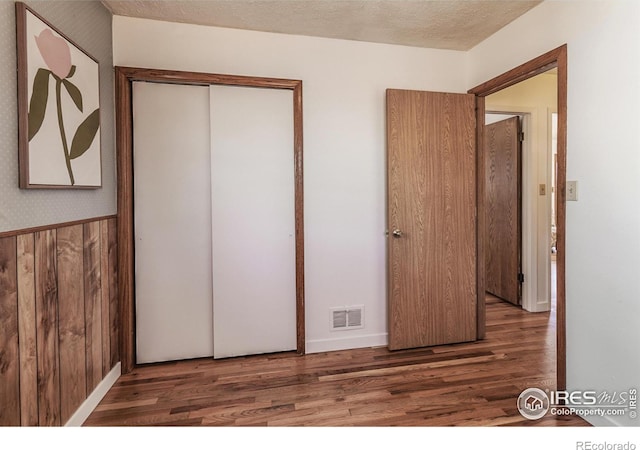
(347, 318)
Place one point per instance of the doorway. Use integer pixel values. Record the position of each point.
(533, 100)
(557, 59)
(125, 77)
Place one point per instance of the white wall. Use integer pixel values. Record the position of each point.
(603, 227)
(344, 86)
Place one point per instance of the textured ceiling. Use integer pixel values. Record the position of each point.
(444, 24)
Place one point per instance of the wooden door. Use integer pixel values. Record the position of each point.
(503, 210)
(431, 177)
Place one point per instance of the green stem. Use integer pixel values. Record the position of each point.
(63, 135)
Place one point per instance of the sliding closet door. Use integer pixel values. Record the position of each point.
(253, 223)
(172, 198)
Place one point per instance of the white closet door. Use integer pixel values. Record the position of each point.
(172, 198)
(252, 167)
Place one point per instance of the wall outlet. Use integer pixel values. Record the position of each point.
(542, 189)
(572, 191)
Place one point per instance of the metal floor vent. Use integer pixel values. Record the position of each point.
(347, 318)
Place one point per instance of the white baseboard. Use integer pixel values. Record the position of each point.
(540, 306)
(598, 421)
(345, 343)
(608, 421)
(94, 398)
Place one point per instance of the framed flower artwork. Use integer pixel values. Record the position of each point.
(58, 108)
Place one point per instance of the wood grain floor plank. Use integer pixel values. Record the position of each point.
(126, 404)
(469, 384)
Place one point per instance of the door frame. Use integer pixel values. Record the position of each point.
(124, 78)
(556, 58)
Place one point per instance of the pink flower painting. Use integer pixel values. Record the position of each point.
(56, 54)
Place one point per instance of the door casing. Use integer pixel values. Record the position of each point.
(556, 58)
(125, 76)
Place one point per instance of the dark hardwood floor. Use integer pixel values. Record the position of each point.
(470, 384)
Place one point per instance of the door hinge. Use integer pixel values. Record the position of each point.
(520, 278)
(521, 137)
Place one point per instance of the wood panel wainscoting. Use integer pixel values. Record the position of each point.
(59, 309)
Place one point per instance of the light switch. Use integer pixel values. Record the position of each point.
(572, 191)
(542, 189)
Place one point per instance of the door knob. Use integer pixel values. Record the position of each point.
(396, 233)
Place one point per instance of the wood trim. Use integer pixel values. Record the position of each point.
(523, 72)
(299, 215)
(561, 231)
(23, 99)
(124, 157)
(203, 79)
(481, 313)
(125, 76)
(554, 58)
(54, 226)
